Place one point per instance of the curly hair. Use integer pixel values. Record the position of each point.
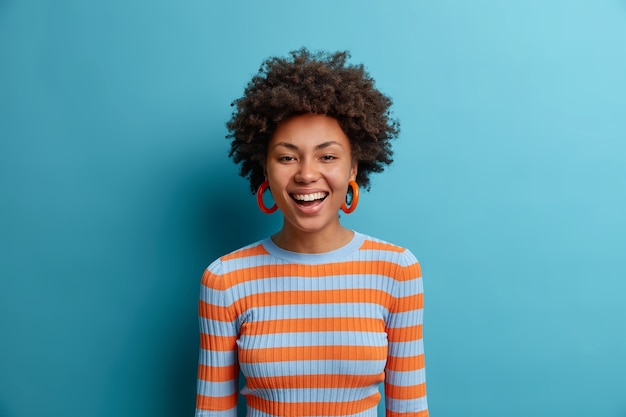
(312, 83)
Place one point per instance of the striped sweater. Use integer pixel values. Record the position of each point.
(313, 334)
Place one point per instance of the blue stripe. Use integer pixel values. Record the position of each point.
(214, 297)
(314, 367)
(406, 406)
(405, 349)
(331, 282)
(217, 328)
(236, 264)
(289, 283)
(248, 262)
(210, 413)
(405, 379)
(217, 358)
(305, 339)
(216, 389)
(406, 318)
(313, 311)
(368, 255)
(296, 395)
(408, 288)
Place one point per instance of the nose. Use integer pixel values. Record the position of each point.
(307, 173)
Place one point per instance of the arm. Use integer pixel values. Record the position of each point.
(218, 368)
(405, 386)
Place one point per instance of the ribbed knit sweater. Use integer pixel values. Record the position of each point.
(313, 334)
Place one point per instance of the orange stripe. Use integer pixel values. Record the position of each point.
(279, 298)
(217, 343)
(215, 312)
(298, 353)
(412, 271)
(314, 409)
(405, 393)
(412, 302)
(204, 402)
(355, 324)
(389, 269)
(210, 280)
(371, 245)
(405, 334)
(244, 253)
(411, 414)
(218, 373)
(409, 363)
(314, 381)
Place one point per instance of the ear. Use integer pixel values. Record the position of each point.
(354, 169)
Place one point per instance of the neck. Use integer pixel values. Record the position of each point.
(312, 242)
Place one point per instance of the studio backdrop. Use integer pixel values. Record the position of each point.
(509, 185)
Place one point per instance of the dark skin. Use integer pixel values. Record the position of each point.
(308, 165)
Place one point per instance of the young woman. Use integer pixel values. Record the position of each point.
(315, 316)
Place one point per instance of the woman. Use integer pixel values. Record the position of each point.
(317, 315)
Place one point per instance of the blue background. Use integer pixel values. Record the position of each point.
(509, 185)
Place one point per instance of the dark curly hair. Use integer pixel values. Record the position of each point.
(312, 83)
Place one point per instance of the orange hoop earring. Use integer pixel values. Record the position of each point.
(355, 198)
(259, 198)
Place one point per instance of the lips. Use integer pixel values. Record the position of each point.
(307, 199)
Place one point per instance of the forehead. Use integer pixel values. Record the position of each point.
(310, 130)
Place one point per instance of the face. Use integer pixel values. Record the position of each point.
(309, 164)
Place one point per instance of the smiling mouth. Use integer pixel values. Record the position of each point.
(309, 199)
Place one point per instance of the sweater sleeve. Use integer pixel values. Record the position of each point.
(405, 385)
(218, 369)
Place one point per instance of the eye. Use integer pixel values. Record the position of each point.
(328, 157)
(286, 158)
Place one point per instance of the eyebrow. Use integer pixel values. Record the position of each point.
(295, 148)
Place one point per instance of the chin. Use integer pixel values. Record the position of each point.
(310, 227)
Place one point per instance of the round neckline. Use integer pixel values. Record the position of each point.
(315, 258)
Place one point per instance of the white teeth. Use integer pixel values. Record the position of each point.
(309, 197)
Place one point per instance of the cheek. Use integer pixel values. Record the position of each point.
(342, 175)
(277, 178)
(271, 170)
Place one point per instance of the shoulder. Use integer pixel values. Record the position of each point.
(244, 255)
(383, 250)
(219, 271)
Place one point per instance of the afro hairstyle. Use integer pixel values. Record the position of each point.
(312, 83)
